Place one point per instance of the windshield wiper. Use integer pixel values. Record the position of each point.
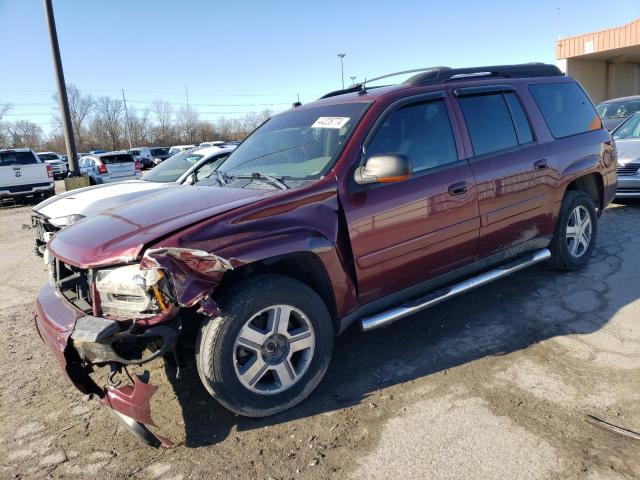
(275, 181)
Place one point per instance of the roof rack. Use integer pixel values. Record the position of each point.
(433, 75)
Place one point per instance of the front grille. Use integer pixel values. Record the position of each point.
(74, 284)
(23, 188)
(628, 169)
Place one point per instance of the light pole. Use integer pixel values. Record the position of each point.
(62, 91)
(341, 56)
(353, 80)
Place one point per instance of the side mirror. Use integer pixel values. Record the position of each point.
(384, 168)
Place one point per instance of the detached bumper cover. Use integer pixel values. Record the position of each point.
(55, 321)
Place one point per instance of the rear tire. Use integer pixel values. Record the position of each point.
(576, 231)
(254, 363)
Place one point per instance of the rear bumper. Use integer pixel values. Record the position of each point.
(628, 186)
(25, 190)
(109, 179)
(55, 322)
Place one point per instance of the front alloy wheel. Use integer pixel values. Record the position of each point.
(270, 347)
(274, 349)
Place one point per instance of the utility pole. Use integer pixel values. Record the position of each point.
(126, 119)
(186, 94)
(298, 97)
(67, 128)
(341, 57)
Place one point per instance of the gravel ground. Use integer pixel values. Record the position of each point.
(494, 384)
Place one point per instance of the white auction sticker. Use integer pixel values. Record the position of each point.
(330, 122)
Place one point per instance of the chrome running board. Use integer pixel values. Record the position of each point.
(389, 316)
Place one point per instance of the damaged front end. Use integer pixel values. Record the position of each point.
(122, 316)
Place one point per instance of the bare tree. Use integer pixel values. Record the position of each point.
(24, 133)
(80, 108)
(187, 122)
(109, 119)
(163, 113)
(4, 109)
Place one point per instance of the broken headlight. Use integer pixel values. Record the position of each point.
(130, 292)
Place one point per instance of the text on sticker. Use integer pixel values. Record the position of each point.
(330, 122)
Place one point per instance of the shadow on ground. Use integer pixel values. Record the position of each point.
(498, 319)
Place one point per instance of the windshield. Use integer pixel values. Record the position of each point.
(48, 156)
(159, 151)
(618, 109)
(172, 168)
(629, 129)
(296, 144)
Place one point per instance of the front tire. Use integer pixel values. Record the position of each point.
(575, 236)
(270, 348)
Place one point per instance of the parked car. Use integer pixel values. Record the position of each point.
(159, 154)
(143, 155)
(67, 208)
(23, 174)
(109, 167)
(180, 148)
(363, 208)
(58, 166)
(627, 137)
(216, 143)
(615, 111)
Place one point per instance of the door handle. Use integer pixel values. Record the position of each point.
(541, 165)
(459, 188)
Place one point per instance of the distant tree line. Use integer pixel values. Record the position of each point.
(102, 123)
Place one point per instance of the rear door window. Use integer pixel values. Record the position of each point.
(489, 123)
(566, 108)
(422, 132)
(17, 158)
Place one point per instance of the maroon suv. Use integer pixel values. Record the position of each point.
(363, 207)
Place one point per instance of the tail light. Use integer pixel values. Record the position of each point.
(49, 171)
(138, 165)
(102, 169)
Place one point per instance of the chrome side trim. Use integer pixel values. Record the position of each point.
(389, 316)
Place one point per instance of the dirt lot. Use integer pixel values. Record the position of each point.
(494, 384)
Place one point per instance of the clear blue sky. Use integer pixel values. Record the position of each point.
(239, 56)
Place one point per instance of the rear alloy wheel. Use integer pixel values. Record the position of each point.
(269, 349)
(575, 236)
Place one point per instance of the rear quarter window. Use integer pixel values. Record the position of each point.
(566, 108)
(17, 158)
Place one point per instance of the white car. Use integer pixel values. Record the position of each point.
(22, 173)
(180, 148)
(216, 143)
(109, 167)
(69, 207)
(57, 163)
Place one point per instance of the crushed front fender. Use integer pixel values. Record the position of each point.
(194, 272)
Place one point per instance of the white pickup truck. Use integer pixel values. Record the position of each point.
(22, 174)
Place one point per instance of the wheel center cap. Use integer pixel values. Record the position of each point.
(275, 349)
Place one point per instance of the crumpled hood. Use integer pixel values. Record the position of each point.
(628, 150)
(90, 200)
(118, 235)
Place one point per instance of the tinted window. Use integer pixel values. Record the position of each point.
(489, 123)
(421, 132)
(566, 108)
(17, 158)
(119, 158)
(159, 151)
(523, 129)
